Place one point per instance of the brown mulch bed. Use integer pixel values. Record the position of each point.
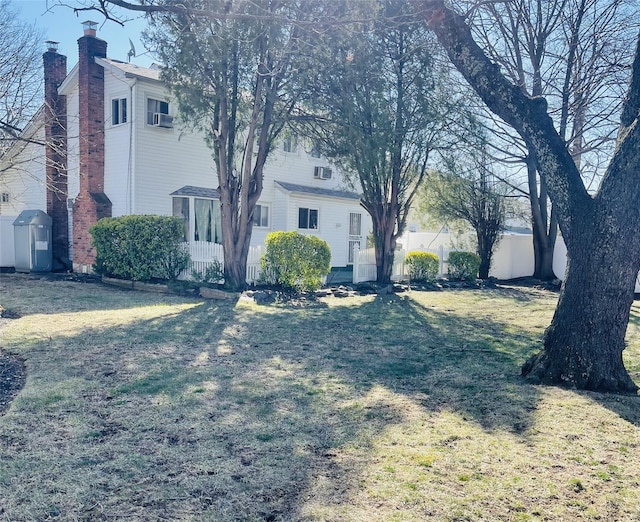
(12, 369)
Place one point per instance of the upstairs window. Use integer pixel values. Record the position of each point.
(290, 144)
(308, 218)
(156, 107)
(118, 111)
(315, 150)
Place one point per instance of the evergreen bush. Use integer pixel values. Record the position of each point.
(140, 247)
(295, 261)
(463, 266)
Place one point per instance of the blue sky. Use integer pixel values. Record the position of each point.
(61, 24)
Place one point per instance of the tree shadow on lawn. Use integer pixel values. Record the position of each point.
(444, 361)
(244, 412)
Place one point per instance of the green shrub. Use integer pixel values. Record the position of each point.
(423, 266)
(140, 247)
(463, 265)
(295, 261)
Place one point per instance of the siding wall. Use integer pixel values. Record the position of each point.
(333, 222)
(25, 180)
(165, 159)
(117, 174)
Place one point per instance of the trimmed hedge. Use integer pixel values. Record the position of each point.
(295, 261)
(140, 247)
(423, 266)
(463, 265)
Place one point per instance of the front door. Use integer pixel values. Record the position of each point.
(355, 233)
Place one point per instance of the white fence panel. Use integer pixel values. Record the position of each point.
(204, 253)
(253, 264)
(364, 263)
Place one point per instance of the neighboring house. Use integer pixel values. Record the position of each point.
(126, 155)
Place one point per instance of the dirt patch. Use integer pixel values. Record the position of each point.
(12, 378)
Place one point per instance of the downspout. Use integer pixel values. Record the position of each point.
(133, 90)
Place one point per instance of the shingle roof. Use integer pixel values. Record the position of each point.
(316, 191)
(198, 192)
(131, 69)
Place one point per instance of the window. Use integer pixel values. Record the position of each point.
(261, 216)
(5, 197)
(315, 150)
(155, 107)
(208, 222)
(322, 173)
(181, 209)
(118, 111)
(290, 144)
(308, 218)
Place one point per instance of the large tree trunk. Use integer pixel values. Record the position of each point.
(583, 345)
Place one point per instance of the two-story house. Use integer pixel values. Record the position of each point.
(114, 148)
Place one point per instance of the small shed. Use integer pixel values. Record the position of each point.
(32, 241)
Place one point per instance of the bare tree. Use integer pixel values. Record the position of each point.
(583, 345)
(467, 190)
(572, 52)
(20, 78)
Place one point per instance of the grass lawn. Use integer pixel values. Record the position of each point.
(404, 408)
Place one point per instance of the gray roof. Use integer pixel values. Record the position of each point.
(198, 192)
(133, 70)
(316, 191)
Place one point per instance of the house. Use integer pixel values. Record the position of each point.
(114, 148)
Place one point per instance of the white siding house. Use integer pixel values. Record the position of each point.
(151, 165)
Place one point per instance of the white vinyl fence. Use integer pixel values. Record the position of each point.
(364, 263)
(513, 257)
(204, 254)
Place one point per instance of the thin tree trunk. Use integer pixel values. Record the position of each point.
(385, 245)
(484, 251)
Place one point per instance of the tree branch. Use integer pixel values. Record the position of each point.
(528, 116)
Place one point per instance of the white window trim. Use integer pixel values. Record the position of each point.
(146, 108)
(294, 141)
(120, 112)
(268, 207)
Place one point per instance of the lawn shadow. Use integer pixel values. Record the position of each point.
(244, 412)
(444, 361)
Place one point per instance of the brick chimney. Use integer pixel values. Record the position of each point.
(92, 204)
(55, 125)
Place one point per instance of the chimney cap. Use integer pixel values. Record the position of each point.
(52, 46)
(89, 27)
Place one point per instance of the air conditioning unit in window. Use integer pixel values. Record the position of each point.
(162, 120)
(322, 173)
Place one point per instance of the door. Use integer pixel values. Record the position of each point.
(355, 234)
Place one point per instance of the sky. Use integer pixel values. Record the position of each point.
(61, 24)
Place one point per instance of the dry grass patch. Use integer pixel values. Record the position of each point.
(147, 407)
